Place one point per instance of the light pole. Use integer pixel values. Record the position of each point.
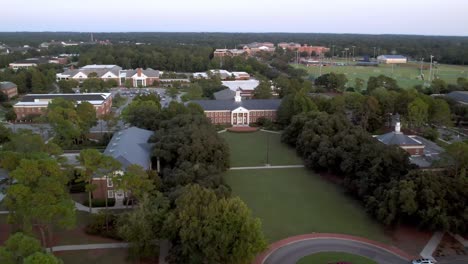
(333, 51)
(422, 61)
(353, 51)
(346, 50)
(374, 53)
(430, 70)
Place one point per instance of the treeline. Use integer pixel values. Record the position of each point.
(381, 176)
(35, 80)
(446, 49)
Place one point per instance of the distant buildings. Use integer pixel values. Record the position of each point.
(138, 77)
(245, 87)
(36, 104)
(408, 143)
(9, 89)
(255, 47)
(104, 72)
(228, 52)
(33, 62)
(223, 74)
(239, 112)
(310, 50)
(392, 59)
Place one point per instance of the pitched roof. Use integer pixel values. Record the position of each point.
(100, 70)
(254, 104)
(459, 96)
(226, 94)
(7, 85)
(148, 72)
(130, 146)
(242, 84)
(74, 97)
(398, 138)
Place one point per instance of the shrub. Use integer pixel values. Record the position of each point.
(100, 202)
(431, 134)
(97, 225)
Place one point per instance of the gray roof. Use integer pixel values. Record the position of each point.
(459, 96)
(74, 97)
(253, 104)
(7, 85)
(148, 72)
(398, 138)
(226, 94)
(100, 70)
(130, 146)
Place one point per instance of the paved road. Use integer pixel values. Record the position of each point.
(291, 253)
(453, 260)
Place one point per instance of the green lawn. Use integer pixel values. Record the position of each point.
(296, 201)
(333, 257)
(250, 149)
(407, 75)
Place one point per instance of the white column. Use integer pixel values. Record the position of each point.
(232, 118)
(248, 117)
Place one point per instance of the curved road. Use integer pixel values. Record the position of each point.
(291, 253)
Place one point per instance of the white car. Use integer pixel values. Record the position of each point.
(423, 261)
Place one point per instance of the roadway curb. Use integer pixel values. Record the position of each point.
(260, 259)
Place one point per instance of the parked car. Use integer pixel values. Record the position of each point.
(423, 261)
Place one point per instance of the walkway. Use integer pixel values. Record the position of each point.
(84, 208)
(431, 246)
(267, 167)
(89, 246)
(290, 250)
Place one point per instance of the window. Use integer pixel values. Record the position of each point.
(110, 183)
(110, 194)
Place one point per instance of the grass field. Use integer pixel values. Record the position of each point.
(296, 201)
(333, 257)
(250, 149)
(407, 75)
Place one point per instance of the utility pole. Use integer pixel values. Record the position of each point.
(422, 62)
(430, 71)
(353, 51)
(374, 53)
(333, 51)
(346, 50)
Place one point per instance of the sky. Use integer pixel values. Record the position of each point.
(421, 17)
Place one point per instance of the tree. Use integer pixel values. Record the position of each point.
(381, 81)
(135, 180)
(172, 92)
(93, 162)
(143, 114)
(194, 92)
(263, 91)
(205, 229)
(91, 85)
(293, 104)
(67, 85)
(18, 247)
(418, 112)
(42, 258)
(332, 81)
(40, 198)
(438, 86)
(142, 227)
(458, 153)
(439, 113)
(5, 134)
(87, 116)
(10, 115)
(358, 84)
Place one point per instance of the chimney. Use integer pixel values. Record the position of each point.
(139, 72)
(238, 97)
(398, 127)
(72, 67)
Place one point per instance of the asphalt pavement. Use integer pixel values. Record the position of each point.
(291, 253)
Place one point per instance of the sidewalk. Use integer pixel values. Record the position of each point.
(84, 208)
(431, 246)
(88, 247)
(260, 259)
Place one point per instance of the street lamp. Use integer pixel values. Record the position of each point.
(430, 70)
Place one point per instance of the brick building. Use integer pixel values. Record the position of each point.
(33, 62)
(9, 89)
(317, 50)
(239, 112)
(129, 146)
(36, 104)
(139, 77)
(229, 52)
(407, 143)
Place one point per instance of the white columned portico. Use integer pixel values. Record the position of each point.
(240, 117)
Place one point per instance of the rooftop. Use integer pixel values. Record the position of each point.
(43, 99)
(253, 104)
(242, 84)
(459, 96)
(7, 85)
(130, 146)
(392, 56)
